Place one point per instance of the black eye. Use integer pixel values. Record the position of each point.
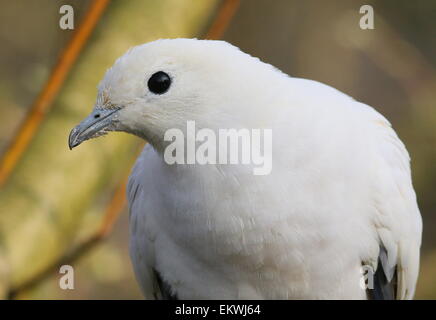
(159, 82)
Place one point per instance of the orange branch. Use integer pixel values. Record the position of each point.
(114, 208)
(222, 20)
(54, 83)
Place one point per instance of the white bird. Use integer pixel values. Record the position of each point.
(339, 197)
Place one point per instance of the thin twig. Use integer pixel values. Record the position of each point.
(43, 102)
(113, 209)
(222, 20)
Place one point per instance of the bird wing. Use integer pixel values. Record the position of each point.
(143, 231)
(397, 220)
(383, 288)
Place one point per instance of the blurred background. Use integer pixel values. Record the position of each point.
(60, 207)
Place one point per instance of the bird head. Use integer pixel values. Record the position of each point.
(163, 84)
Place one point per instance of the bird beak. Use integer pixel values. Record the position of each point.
(96, 124)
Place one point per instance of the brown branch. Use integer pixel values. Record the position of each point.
(118, 201)
(44, 100)
(113, 209)
(222, 20)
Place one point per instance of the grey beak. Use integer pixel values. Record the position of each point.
(96, 124)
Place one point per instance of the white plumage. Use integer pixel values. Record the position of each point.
(339, 195)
